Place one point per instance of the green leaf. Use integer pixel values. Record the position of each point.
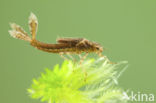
(93, 81)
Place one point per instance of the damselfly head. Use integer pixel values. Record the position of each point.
(95, 47)
(98, 48)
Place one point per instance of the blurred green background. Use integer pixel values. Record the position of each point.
(126, 28)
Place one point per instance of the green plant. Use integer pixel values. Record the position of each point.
(94, 81)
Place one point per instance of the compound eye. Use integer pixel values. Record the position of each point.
(97, 48)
